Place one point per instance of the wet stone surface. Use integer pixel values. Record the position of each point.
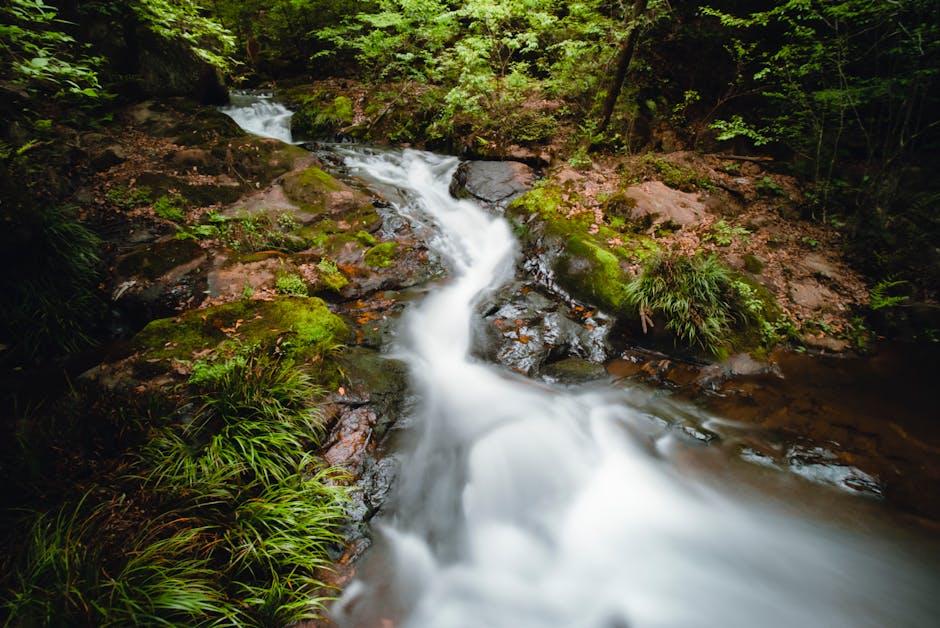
(525, 330)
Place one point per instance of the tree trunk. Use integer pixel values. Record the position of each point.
(627, 48)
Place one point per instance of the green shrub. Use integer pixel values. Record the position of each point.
(126, 197)
(698, 296)
(170, 207)
(724, 234)
(291, 284)
(880, 297)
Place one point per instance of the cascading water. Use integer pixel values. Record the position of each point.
(259, 114)
(524, 506)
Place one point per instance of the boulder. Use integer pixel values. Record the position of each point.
(491, 181)
(658, 203)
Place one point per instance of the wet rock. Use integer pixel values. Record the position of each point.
(108, 158)
(230, 277)
(738, 365)
(373, 379)
(407, 266)
(528, 330)
(574, 371)
(349, 441)
(659, 203)
(160, 278)
(491, 181)
(825, 343)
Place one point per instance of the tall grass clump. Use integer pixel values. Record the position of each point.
(227, 519)
(50, 302)
(74, 572)
(700, 299)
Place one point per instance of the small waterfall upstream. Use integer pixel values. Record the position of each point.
(520, 505)
(259, 114)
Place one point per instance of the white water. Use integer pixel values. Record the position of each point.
(522, 506)
(259, 114)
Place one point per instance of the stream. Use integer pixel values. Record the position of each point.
(523, 504)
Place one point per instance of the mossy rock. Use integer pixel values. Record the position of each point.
(308, 323)
(310, 188)
(319, 113)
(753, 264)
(593, 274)
(381, 255)
(163, 184)
(259, 159)
(585, 265)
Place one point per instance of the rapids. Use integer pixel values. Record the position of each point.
(522, 505)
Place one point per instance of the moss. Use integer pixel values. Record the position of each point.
(674, 175)
(291, 284)
(318, 113)
(592, 273)
(365, 238)
(127, 197)
(310, 188)
(330, 276)
(619, 205)
(588, 267)
(381, 255)
(753, 264)
(312, 328)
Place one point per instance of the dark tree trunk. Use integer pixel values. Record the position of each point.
(627, 48)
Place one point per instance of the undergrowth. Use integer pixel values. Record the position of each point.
(700, 299)
(222, 518)
(50, 304)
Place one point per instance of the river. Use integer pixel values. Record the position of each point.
(519, 504)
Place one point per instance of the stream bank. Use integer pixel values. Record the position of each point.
(228, 239)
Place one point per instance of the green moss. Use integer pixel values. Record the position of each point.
(675, 176)
(308, 322)
(592, 273)
(319, 113)
(365, 238)
(126, 197)
(381, 255)
(310, 188)
(330, 276)
(753, 264)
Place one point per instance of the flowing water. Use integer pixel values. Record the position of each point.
(260, 114)
(522, 505)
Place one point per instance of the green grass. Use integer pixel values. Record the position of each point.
(51, 304)
(224, 519)
(698, 296)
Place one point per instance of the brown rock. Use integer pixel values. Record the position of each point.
(660, 202)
